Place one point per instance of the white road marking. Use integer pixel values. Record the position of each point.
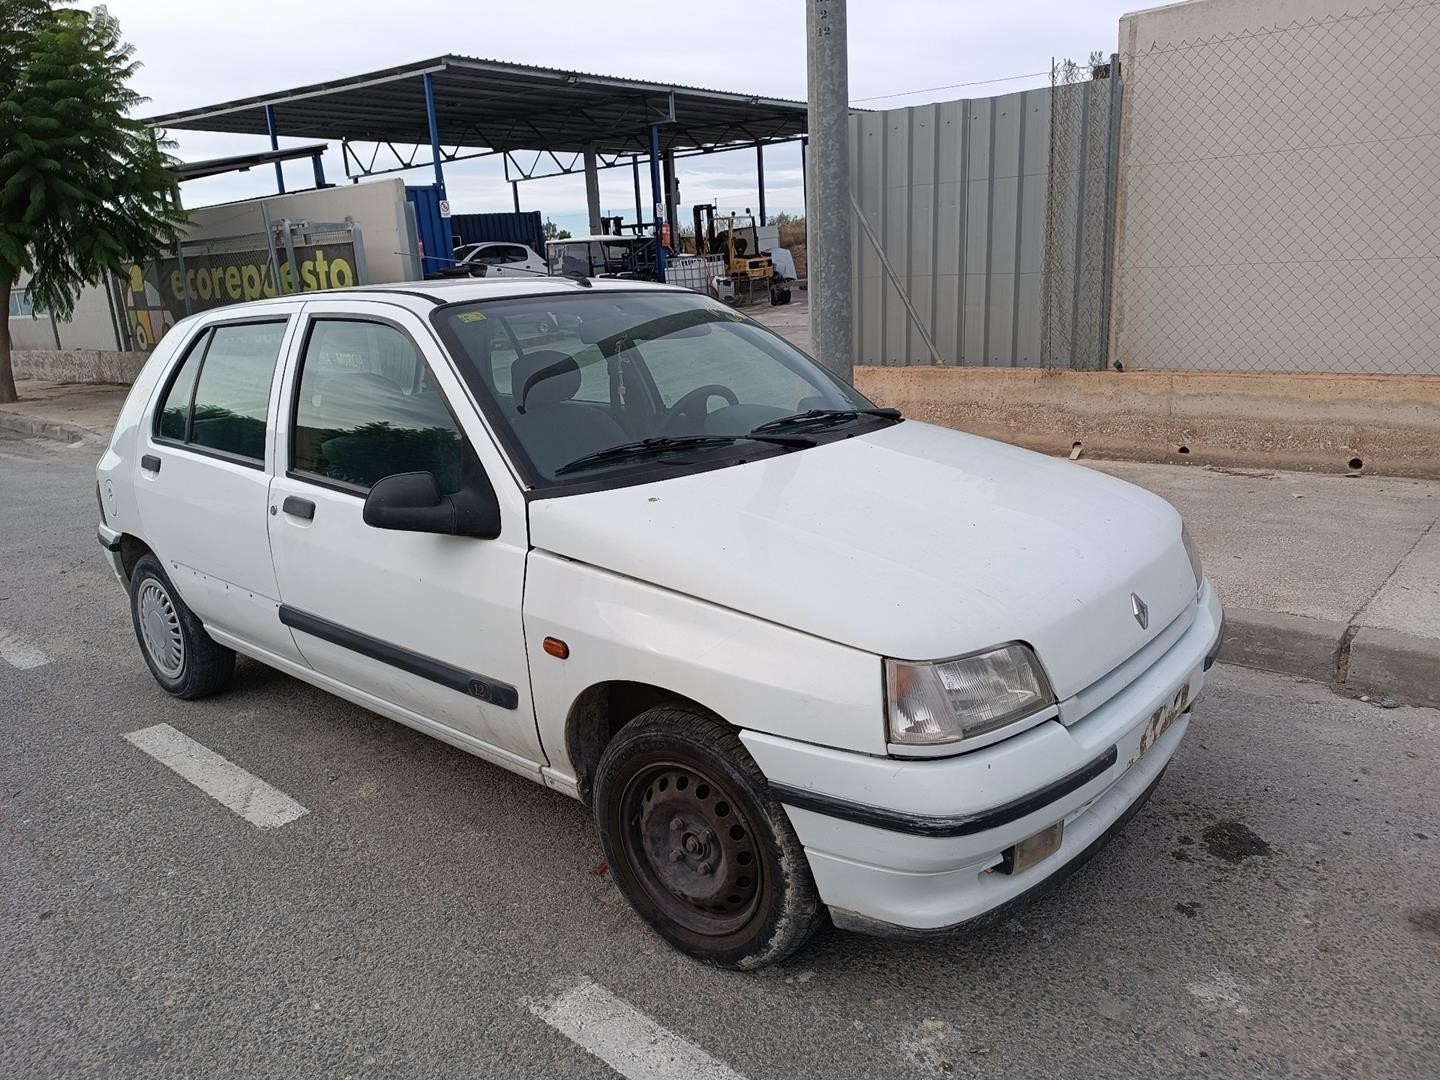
(225, 782)
(626, 1039)
(19, 653)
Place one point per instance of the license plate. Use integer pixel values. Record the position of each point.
(1032, 849)
(1161, 719)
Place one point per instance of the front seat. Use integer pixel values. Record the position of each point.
(553, 426)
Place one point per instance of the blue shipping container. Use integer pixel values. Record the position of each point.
(433, 230)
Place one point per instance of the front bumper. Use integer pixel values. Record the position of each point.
(915, 845)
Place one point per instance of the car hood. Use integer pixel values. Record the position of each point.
(911, 541)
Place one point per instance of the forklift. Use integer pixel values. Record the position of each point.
(738, 242)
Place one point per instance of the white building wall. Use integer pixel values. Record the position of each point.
(1278, 187)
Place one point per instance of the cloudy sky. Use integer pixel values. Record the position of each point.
(916, 50)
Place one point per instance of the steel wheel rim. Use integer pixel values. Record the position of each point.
(160, 629)
(692, 848)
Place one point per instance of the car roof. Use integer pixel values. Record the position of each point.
(423, 295)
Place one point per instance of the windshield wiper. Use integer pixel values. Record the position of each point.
(822, 418)
(661, 443)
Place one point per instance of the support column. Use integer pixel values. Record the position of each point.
(319, 171)
(659, 200)
(515, 193)
(672, 194)
(592, 190)
(828, 206)
(275, 145)
(434, 133)
(760, 178)
(639, 206)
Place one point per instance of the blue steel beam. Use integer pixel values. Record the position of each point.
(434, 132)
(275, 145)
(658, 199)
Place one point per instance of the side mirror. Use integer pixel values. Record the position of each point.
(412, 502)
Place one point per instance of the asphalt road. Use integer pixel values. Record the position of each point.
(1275, 910)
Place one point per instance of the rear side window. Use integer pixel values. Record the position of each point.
(220, 397)
(367, 407)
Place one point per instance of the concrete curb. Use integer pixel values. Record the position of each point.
(1289, 644)
(1385, 662)
(51, 429)
(1351, 659)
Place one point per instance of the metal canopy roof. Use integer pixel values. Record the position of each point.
(500, 106)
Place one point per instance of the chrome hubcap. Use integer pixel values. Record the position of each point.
(160, 629)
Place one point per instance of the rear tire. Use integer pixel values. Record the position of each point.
(184, 659)
(698, 845)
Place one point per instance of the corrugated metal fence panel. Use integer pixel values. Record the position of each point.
(524, 228)
(955, 193)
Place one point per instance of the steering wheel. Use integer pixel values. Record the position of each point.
(699, 396)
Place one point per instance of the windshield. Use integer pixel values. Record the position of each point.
(569, 376)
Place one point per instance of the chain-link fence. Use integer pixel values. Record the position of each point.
(1279, 199)
(1075, 287)
(204, 273)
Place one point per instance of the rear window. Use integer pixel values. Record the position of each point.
(220, 397)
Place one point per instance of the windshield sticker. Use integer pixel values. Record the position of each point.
(472, 316)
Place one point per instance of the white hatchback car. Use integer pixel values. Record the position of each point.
(797, 653)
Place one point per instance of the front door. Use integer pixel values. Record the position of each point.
(426, 623)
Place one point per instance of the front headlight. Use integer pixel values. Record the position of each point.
(953, 701)
(1194, 553)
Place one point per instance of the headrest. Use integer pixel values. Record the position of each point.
(544, 378)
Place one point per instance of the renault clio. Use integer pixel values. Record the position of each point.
(801, 656)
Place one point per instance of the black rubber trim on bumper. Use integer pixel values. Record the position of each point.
(108, 545)
(849, 920)
(1214, 652)
(477, 686)
(961, 825)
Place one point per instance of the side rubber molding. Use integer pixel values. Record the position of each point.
(961, 825)
(486, 689)
(108, 545)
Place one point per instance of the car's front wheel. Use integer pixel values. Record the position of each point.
(698, 845)
(184, 659)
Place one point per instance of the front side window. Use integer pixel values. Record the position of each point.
(220, 396)
(367, 407)
(569, 375)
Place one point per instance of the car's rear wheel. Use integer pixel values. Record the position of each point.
(698, 845)
(184, 659)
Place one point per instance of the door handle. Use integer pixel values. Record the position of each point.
(300, 508)
(150, 463)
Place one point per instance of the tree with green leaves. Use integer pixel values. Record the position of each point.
(85, 189)
(554, 232)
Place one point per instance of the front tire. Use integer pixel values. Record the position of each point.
(184, 659)
(698, 845)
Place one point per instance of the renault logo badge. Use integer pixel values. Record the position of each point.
(1140, 610)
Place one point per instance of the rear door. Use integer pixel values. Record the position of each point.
(425, 623)
(203, 478)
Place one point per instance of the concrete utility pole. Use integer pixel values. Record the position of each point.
(592, 189)
(827, 208)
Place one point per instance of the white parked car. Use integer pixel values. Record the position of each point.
(499, 259)
(797, 653)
